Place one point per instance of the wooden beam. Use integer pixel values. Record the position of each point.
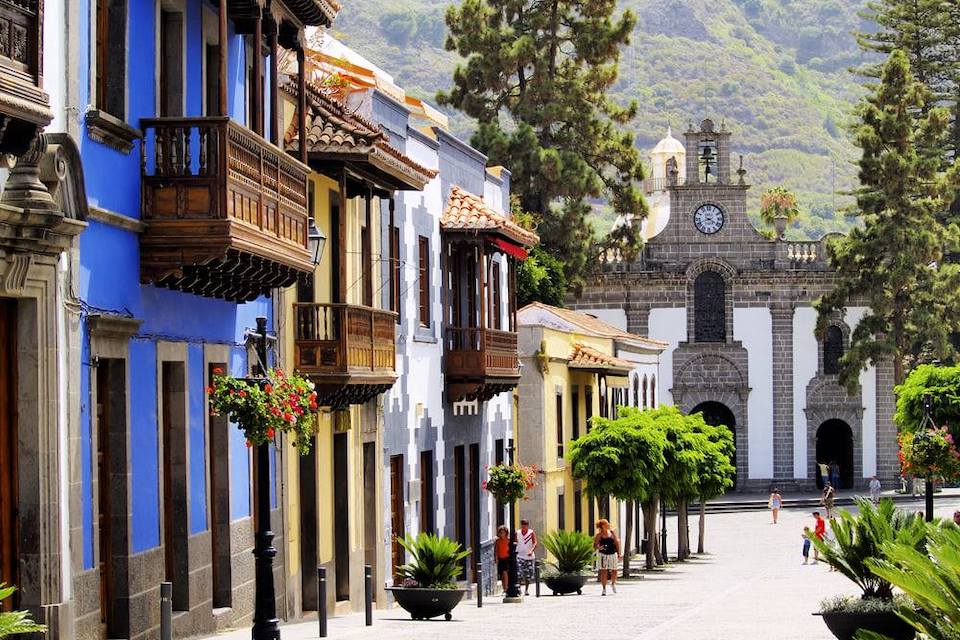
(302, 102)
(258, 74)
(368, 249)
(224, 97)
(276, 118)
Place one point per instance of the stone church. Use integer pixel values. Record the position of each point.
(736, 309)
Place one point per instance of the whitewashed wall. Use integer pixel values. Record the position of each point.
(670, 326)
(805, 362)
(753, 327)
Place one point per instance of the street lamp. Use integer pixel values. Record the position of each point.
(315, 242)
(928, 423)
(513, 582)
(266, 626)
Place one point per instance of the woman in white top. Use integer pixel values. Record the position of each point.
(775, 503)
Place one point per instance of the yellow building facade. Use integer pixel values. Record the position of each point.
(575, 367)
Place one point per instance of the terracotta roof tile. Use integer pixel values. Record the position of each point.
(584, 357)
(467, 212)
(332, 128)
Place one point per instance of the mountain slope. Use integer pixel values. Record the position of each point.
(774, 70)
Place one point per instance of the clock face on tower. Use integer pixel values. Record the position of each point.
(708, 218)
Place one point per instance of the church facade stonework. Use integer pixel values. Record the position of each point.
(736, 308)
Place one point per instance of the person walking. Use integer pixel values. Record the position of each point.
(502, 556)
(827, 499)
(607, 546)
(806, 545)
(820, 532)
(874, 490)
(526, 554)
(824, 473)
(775, 504)
(835, 474)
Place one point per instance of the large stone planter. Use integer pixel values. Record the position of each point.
(564, 583)
(423, 604)
(844, 625)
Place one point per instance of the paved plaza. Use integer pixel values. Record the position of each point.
(750, 586)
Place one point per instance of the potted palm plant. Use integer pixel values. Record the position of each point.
(571, 554)
(858, 540)
(428, 581)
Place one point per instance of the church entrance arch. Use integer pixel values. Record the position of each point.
(835, 444)
(716, 414)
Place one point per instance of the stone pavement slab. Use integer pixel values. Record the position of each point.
(750, 586)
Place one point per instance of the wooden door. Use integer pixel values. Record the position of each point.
(396, 512)
(104, 503)
(219, 470)
(341, 510)
(9, 513)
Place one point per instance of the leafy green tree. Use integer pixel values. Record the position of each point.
(941, 385)
(541, 278)
(894, 263)
(536, 78)
(717, 472)
(623, 458)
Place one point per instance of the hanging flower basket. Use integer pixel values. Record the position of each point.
(509, 483)
(929, 453)
(264, 407)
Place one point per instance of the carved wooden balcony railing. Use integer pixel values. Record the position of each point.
(480, 363)
(349, 351)
(24, 106)
(225, 211)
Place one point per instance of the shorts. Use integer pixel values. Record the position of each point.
(525, 569)
(806, 548)
(503, 565)
(607, 561)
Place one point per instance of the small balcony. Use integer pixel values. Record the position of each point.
(480, 363)
(348, 351)
(225, 210)
(24, 106)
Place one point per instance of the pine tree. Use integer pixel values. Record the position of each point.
(894, 264)
(536, 78)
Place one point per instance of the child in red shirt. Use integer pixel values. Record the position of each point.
(820, 531)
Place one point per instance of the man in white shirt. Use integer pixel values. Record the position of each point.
(526, 554)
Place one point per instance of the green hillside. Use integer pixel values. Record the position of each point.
(775, 70)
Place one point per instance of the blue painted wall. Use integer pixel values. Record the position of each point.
(110, 283)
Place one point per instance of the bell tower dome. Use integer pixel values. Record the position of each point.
(668, 153)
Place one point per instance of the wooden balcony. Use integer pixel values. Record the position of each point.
(225, 211)
(480, 363)
(24, 106)
(348, 351)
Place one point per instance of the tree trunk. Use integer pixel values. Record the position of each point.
(625, 542)
(650, 523)
(703, 520)
(683, 545)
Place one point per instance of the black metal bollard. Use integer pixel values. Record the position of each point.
(368, 595)
(166, 611)
(479, 585)
(536, 577)
(322, 600)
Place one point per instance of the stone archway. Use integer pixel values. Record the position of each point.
(834, 443)
(717, 414)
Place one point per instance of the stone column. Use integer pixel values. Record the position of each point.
(888, 466)
(782, 390)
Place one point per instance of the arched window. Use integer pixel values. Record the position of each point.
(653, 392)
(832, 350)
(636, 391)
(645, 405)
(709, 308)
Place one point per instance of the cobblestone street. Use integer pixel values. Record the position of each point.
(751, 586)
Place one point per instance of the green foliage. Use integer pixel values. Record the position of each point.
(435, 561)
(929, 453)
(941, 385)
(895, 263)
(930, 577)
(860, 538)
(261, 408)
(541, 278)
(570, 551)
(14, 623)
(716, 473)
(536, 77)
(623, 458)
(509, 483)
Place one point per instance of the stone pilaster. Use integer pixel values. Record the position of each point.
(888, 466)
(782, 390)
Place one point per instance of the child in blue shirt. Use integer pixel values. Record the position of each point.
(806, 545)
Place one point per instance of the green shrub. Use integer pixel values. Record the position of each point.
(859, 539)
(14, 623)
(571, 551)
(434, 562)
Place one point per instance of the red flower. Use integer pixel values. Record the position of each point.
(268, 388)
(288, 417)
(270, 433)
(217, 371)
(209, 389)
(243, 394)
(313, 406)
